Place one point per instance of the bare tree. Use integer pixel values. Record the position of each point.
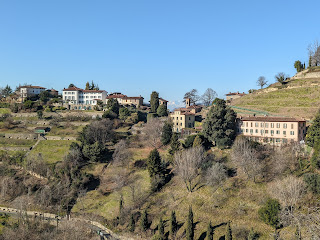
(281, 77)
(208, 97)
(99, 131)
(153, 131)
(261, 81)
(314, 53)
(187, 165)
(216, 174)
(121, 154)
(288, 191)
(246, 157)
(193, 95)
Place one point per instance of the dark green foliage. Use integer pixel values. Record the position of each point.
(161, 229)
(310, 61)
(281, 77)
(269, 213)
(44, 96)
(166, 133)
(313, 133)
(209, 232)
(144, 224)
(193, 95)
(315, 159)
(190, 225)
(197, 141)
(313, 182)
(120, 209)
(174, 144)
(14, 108)
(71, 85)
(28, 104)
(298, 65)
(151, 115)
(220, 124)
(162, 111)
(253, 235)
(132, 224)
(40, 114)
(189, 141)
(6, 91)
(173, 224)
(113, 105)
(154, 101)
(109, 114)
(124, 113)
(93, 152)
(228, 235)
(154, 164)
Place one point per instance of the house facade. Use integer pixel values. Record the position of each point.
(273, 130)
(182, 119)
(29, 91)
(79, 99)
(125, 100)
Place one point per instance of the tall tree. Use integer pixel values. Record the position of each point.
(313, 133)
(281, 77)
(161, 229)
(314, 53)
(6, 91)
(209, 232)
(193, 95)
(173, 225)
(166, 133)
(190, 225)
(87, 86)
(154, 165)
(228, 235)
(208, 97)
(269, 213)
(113, 105)
(261, 81)
(144, 224)
(220, 124)
(71, 85)
(154, 101)
(132, 224)
(162, 110)
(298, 66)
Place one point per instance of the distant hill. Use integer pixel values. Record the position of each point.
(299, 97)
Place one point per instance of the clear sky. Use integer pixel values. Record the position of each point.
(137, 46)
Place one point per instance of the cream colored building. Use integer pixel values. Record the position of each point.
(28, 91)
(125, 100)
(182, 119)
(274, 130)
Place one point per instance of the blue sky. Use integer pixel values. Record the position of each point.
(170, 46)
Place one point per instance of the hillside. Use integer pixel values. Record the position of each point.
(299, 97)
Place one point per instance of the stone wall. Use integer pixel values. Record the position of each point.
(60, 138)
(31, 136)
(305, 75)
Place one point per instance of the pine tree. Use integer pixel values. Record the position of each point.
(310, 61)
(144, 221)
(93, 86)
(209, 232)
(154, 163)
(166, 133)
(132, 224)
(173, 224)
(228, 235)
(154, 101)
(161, 229)
(190, 227)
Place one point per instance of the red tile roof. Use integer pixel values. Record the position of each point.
(132, 97)
(93, 91)
(271, 119)
(116, 96)
(163, 100)
(73, 89)
(32, 87)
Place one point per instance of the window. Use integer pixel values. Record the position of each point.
(277, 132)
(177, 124)
(278, 125)
(251, 124)
(180, 118)
(266, 125)
(261, 125)
(257, 124)
(284, 133)
(272, 125)
(241, 130)
(246, 124)
(189, 118)
(261, 131)
(278, 140)
(291, 126)
(266, 131)
(246, 130)
(284, 125)
(272, 132)
(251, 131)
(177, 118)
(291, 132)
(256, 130)
(180, 124)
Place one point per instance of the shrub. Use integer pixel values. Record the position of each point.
(269, 213)
(313, 182)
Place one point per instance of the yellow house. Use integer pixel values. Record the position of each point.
(182, 119)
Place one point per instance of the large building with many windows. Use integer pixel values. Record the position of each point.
(273, 130)
(29, 91)
(79, 99)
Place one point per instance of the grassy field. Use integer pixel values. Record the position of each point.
(298, 98)
(51, 151)
(6, 142)
(4, 110)
(70, 131)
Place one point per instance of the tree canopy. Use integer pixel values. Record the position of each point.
(154, 101)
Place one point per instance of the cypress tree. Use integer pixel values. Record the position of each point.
(154, 163)
(228, 235)
(144, 221)
(120, 209)
(173, 224)
(166, 133)
(209, 232)
(154, 101)
(190, 228)
(161, 229)
(310, 61)
(132, 224)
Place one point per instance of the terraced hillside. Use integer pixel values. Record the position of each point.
(296, 98)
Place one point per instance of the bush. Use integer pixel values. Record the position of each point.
(189, 141)
(269, 213)
(110, 114)
(313, 182)
(315, 159)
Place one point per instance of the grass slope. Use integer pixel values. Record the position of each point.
(297, 98)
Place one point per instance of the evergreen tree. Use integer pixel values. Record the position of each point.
(298, 66)
(40, 114)
(161, 229)
(175, 144)
(132, 224)
(190, 226)
(113, 105)
(154, 101)
(166, 133)
(228, 235)
(71, 85)
(310, 61)
(304, 66)
(173, 224)
(144, 221)
(124, 113)
(313, 133)
(269, 213)
(92, 86)
(6, 91)
(120, 209)
(87, 86)
(220, 124)
(197, 141)
(154, 165)
(209, 232)
(162, 111)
